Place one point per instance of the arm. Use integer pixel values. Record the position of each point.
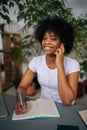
(26, 80)
(67, 85)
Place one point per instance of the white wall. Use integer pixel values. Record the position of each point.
(78, 6)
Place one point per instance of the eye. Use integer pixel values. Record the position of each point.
(44, 38)
(53, 38)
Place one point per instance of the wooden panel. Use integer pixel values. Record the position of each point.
(17, 64)
(0, 80)
(11, 65)
(7, 60)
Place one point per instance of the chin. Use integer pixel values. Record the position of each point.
(51, 54)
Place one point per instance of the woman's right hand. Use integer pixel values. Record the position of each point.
(18, 108)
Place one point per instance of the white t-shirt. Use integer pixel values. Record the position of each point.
(47, 77)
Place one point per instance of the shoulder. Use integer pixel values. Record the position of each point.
(38, 59)
(71, 65)
(35, 61)
(69, 60)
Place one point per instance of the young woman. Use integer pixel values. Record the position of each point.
(57, 74)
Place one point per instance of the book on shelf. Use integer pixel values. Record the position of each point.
(83, 115)
(40, 108)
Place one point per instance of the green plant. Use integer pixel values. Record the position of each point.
(5, 5)
(83, 65)
(17, 54)
(33, 10)
(80, 46)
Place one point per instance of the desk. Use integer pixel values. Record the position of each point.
(69, 116)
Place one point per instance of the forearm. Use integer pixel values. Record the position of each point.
(19, 107)
(65, 90)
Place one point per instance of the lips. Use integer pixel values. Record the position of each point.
(47, 48)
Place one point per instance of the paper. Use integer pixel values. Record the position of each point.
(40, 108)
(83, 115)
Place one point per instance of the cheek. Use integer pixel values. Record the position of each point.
(42, 43)
(57, 45)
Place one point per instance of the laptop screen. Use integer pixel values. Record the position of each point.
(3, 108)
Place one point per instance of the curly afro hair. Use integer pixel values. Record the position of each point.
(59, 27)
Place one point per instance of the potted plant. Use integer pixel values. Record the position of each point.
(85, 86)
(80, 90)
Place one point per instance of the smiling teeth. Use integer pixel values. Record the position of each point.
(47, 47)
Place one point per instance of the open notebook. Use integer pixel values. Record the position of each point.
(3, 108)
(39, 108)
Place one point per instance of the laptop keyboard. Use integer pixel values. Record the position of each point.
(3, 109)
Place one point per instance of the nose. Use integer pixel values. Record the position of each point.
(47, 41)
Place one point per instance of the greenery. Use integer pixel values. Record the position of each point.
(33, 10)
(5, 5)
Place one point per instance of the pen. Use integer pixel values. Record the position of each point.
(20, 96)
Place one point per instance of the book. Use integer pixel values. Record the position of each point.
(39, 108)
(83, 115)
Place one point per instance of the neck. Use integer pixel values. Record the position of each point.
(50, 61)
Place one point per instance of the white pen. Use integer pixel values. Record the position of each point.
(20, 96)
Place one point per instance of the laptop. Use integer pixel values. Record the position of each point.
(3, 108)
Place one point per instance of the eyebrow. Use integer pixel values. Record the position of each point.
(52, 35)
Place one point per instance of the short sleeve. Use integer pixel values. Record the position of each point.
(73, 67)
(32, 64)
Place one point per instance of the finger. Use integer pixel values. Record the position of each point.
(62, 47)
(24, 105)
(59, 51)
(18, 109)
(22, 108)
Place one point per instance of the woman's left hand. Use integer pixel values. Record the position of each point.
(60, 55)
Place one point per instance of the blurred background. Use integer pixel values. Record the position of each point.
(18, 46)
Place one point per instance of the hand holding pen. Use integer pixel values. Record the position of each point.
(20, 107)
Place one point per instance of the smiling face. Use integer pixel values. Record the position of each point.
(50, 43)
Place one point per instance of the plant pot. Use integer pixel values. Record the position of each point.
(85, 86)
(80, 90)
(31, 90)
